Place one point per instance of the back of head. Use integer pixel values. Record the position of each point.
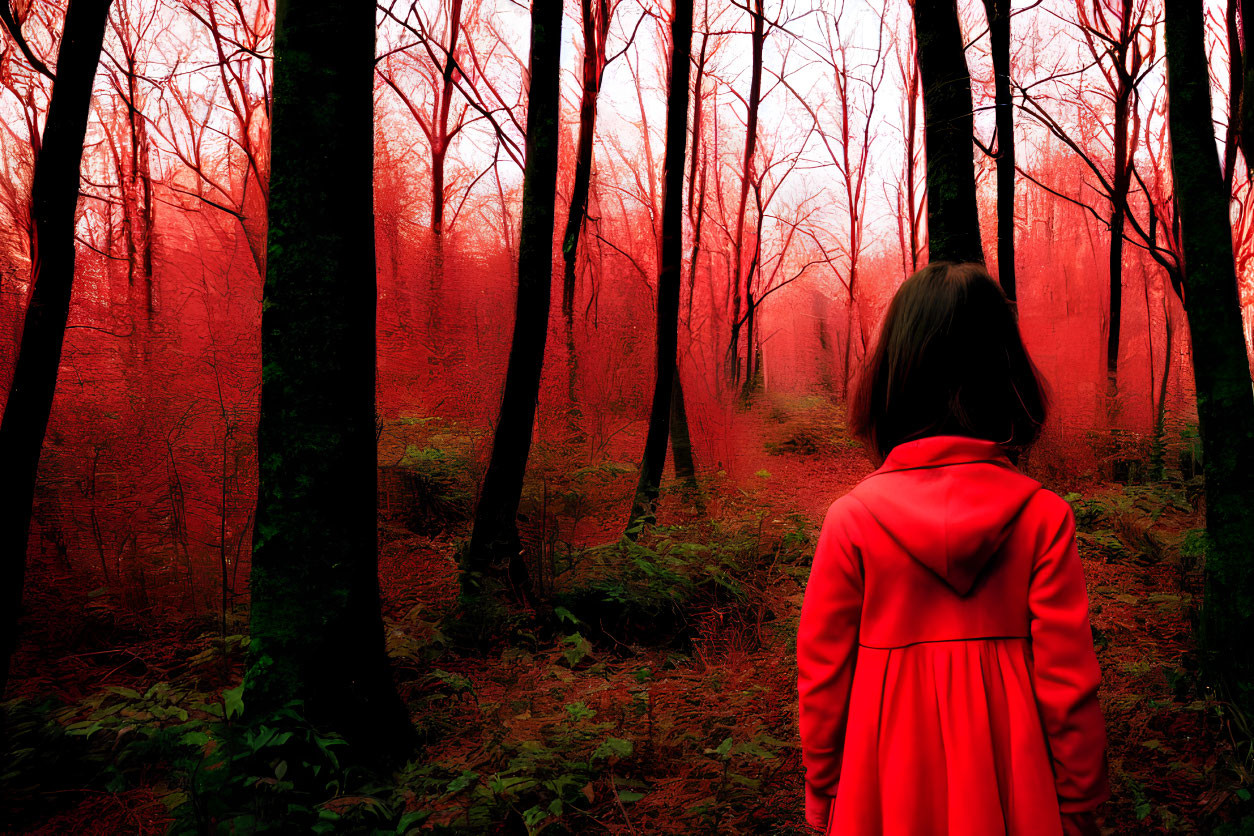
(949, 360)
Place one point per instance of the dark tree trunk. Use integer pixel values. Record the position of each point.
(1221, 369)
(494, 543)
(1120, 183)
(1246, 131)
(746, 174)
(1236, 77)
(669, 269)
(998, 12)
(54, 200)
(953, 222)
(317, 634)
(681, 439)
(696, 200)
(912, 116)
(440, 139)
(595, 31)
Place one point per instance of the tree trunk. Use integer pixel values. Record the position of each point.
(1120, 184)
(912, 113)
(998, 12)
(595, 31)
(953, 222)
(847, 373)
(1236, 76)
(1221, 368)
(595, 28)
(439, 151)
(1246, 131)
(317, 634)
(696, 201)
(669, 269)
(495, 548)
(54, 200)
(681, 438)
(746, 174)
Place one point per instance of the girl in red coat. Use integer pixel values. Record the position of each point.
(947, 678)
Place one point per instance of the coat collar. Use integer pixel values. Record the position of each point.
(937, 450)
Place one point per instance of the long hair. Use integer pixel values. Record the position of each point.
(949, 360)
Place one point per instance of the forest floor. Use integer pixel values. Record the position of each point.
(655, 691)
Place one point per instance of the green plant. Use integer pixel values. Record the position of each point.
(735, 786)
(38, 758)
(535, 782)
(277, 773)
(435, 491)
(648, 589)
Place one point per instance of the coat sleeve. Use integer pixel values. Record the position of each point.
(827, 646)
(1065, 671)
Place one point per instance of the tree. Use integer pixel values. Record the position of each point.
(435, 122)
(747, 176)
(1120, 40)
(240, 43)
(848, 142)
(906, 185)
(998, 13)
(317, 632)
(494, 543)
(1221, 367)
(596, 16)
(54, 200)
(953, 222)
(133, 170)
(670, 268)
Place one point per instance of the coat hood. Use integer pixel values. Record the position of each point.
(949, 502)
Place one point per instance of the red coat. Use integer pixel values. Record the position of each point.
(947, 678)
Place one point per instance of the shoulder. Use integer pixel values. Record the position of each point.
(1050, 516)
(844, 519)
(1049, 507)
(838, 548)
(845, 510)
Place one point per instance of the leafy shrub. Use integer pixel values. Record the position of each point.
(534, 783)
(648, 590)
(806, 427)
(277, 774)
(38, 758)
(432, 489)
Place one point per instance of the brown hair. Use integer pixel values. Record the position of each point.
(949, 360)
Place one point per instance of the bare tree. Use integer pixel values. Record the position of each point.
(494, 549)
(54, 199)
(670, 268)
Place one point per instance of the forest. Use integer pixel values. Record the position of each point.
(419, 417)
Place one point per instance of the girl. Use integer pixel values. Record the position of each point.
(947, 678)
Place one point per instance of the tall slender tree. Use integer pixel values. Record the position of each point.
(953, 222)
(495, 547)
(596, 16)
(1119, 36)
(748, 176)
(53, 202)
(1121, 44)
(998, 12)
(440, 122)
(1221, 369)
(670, 268)
(317, 633)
